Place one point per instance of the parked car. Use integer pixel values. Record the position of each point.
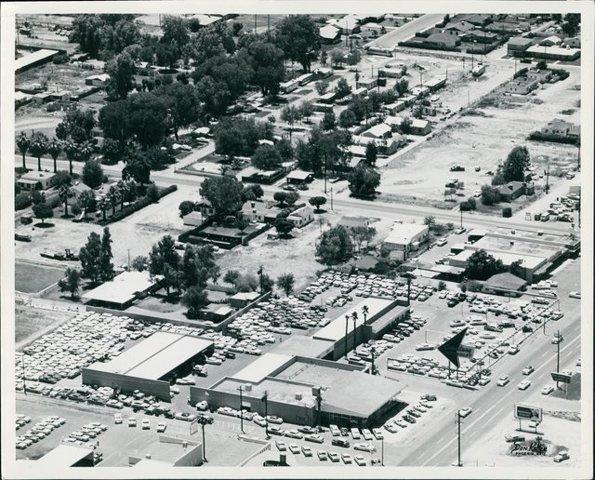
(161, 427)
(339, 442)
(528, 370)
(132, 422)
(359, 460)
(281, 446)
(117, 418)
(524, 385)
(547, 390)
(464, 412)
(502, 381)
(560, 457)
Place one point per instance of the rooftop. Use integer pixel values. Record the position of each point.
(403, 233)
(122, 288)
(36, 175)
(262, 367)
(335, 330)
(505, 280)
(33, 57)
(304, 345)
(155, 356)
(64, 456)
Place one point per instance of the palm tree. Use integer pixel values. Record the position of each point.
(23, 143)
(55, 149)
(64, 192)
(38, 146)
(72, 151)
(86, 199)
(113, 196)
(365, 311)
(103, 204)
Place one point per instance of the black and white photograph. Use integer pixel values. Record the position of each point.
(297, 239)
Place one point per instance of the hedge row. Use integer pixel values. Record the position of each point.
(136, 206)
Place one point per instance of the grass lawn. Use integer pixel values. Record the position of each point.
(31, 278)
(30, 320)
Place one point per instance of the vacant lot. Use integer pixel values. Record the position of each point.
(29, 320)
(483, 139)
(31, 278)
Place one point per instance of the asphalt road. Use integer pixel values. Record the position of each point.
(390, 39)
(377, 207)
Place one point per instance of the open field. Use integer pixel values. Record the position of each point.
(29, 321)
(31, 278)
(483, 140)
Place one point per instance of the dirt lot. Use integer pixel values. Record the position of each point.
(136, 233)
(483, 139)
(30, 320)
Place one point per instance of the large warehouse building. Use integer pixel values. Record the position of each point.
(306, 391)
(149, 365)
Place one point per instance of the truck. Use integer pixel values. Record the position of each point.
(478, 70)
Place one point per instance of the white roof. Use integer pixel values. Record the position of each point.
(554, 50)
(378, 130)
(299, 174)
(101, 76)
(403, 233)
(205, 19)
(328, 31)
(122, 288)
(419, 123)
(64, 456)
(335, 330)
(33, 57)
(262, 367)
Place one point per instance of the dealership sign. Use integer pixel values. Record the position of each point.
(451, 348)
(465, 351)
(561, 377)
(528, 412)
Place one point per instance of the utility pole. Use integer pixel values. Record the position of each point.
(461, 210)
(128, 265)
(459, 464)
(382, 450)
(547, 179)
(260, 272)
(255, 24)
(265, 398)
(373, 352)
(558, 357)
(24, 376)
(241, 409)
(354, 316)
(346, 329)
(331, 198)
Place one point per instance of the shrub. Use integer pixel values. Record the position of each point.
(22, 200)
(153, 194)
(76, 209)
(507, 212)
(54, 201)
(37, 197)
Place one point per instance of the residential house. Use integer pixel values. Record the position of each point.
(257, 211)
(204, 206)
(21, 98)
(357, 152)
(354, 222)
(36, 180)
(479, 36)
(435, 84)
(382, 130)
(99, 80)
(561, 128)
(518, 45)
(367, 83)
(506, 28)
(372, 28)
(477, 19)
(511, 191)
(420, 127)
(572, 42)
(554, 53)
(551, 41)
(301, 216)
(193, 219)
(299, 177)
(521, 86)
(442, 41)
(243, 299)
(348, 24)
(459, 27)
(329, 34)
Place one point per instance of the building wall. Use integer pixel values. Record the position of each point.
(192, 458)
(127, 383)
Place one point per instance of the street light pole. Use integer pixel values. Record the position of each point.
(241, 409)
(461, 210)
(354, 317)
(346, 329)
(266, 414)
(459, 464)
(382, 454)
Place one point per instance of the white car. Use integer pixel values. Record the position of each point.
(367, 434)
(557, 339)
(146, 424)
(547, 390)
(441, 242)
(575, 295)
(366, 447)
(524, 385)
(355, 434)
(464, 412)
(132, 422)
(502, 381)
(117, 418)
(528, 370)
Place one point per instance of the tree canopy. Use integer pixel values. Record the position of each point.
(297, 36)
(334, 246)
(224, 193)
(364, 181)
(481, 266)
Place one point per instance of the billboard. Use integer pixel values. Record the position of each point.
(527, 412)
(561, 377)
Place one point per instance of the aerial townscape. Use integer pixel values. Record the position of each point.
(300, 240)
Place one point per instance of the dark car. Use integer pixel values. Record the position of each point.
(527, 329)
(344, 432)
(339, 442)
(452, 303)
(230, 355)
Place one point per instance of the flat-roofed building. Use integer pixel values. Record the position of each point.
(123, 289)
(36, 180)
(148, 365)
(66, 456)
(404, 238)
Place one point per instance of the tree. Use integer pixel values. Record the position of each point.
(194, 299)
(481, 266)
(283, 226)
(285, 149)
(71, 282)
(184, 104)
(328, 121)
(77, 126)
(140, 263)
(347, 118)
(317, 202)
(92, 174)
(321, 87)
(64, 192)
(175, 32)
(224, 194)
(371, 153)
(42, 211)
(297, 36)
(342, 89)
(136, 169)
(152, 193)
(23, 142)
(401, 86)
(337, 57)
(516, 164)
(231, 276)
(266, 157)
(147, 118)
(54, 149)
(267, 63)
(363, 181)
(306, 110)
(239, 136)
(164, 260)
(516, 268)
(252, 192)
(430, 221)
(103, 205)
(286, 282)
(87, 31)
(571, 24)
(489, 195)
(334, 246)
(121, 70)
(114, 122)
(290, 114)
(266, 283)
(112, 151)
(105, 265)
(89, 256)
(113, 198)
(38, 146)
(87, 201)
(362, 235)
(186, 207)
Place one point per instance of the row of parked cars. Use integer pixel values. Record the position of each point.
(411, 414)
(323, 455)
(38, 431)
(86, 433)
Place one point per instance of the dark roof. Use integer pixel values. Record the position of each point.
(505, 280)
(510, 187)
(366, 262)
(442, 38)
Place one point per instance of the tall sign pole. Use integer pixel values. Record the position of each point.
(459, 463)
(241, 409)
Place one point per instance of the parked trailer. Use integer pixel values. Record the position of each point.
(289, 86)
(305, 78)
(385, 52)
